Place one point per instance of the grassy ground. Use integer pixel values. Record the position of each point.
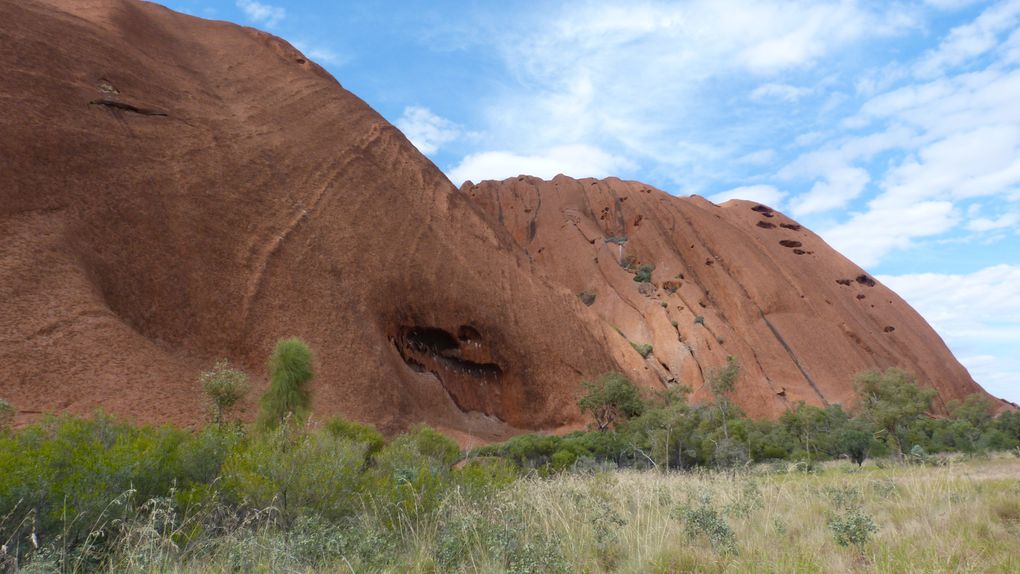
(960, 517)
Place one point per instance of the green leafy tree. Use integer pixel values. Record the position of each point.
(223, 387)
(662, 432)
(610, 399)
(891, 401)
(721, 381)
(290, 372)
(856, 443)
(976, 409)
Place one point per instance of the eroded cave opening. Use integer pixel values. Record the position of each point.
(463, 364)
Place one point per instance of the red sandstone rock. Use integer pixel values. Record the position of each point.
(789, 307)
(176, 190)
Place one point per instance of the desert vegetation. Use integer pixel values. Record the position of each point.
(656, 485)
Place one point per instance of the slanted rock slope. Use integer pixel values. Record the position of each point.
(176, 190)
(738, 279)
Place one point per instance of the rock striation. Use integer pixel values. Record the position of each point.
(735, 279)
(175, 190)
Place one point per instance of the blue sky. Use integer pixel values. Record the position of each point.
(890, 128)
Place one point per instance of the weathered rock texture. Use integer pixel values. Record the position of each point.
(175, 190)
(737, 279)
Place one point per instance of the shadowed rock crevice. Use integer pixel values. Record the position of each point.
(463, 364)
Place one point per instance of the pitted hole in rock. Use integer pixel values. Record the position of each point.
(763, 209)
(709, 262)
(766, 225)
(468, 333)
(300, 60)
(861, 296)
(865, 280)
(429, 340)
(792, 226)
(799, 251)
(790, 243)
(889, 329)
(845, 282)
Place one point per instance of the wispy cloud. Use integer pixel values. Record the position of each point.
(427, 131)
(260, 13)
(979, 315)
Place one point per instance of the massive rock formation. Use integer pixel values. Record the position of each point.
(175, 190)
(737, 279)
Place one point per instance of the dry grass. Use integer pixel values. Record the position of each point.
(961, 517)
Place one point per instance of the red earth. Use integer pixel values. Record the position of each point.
(176, 190)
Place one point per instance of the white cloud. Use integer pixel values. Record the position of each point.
(1005, 221)
(262, 13)
(760, 157)
(782, 92)
(979, 310)
(574, 160)
(970, 40)
(951, 4)
(840, 186)
(868, 237)
(632, 77)
(766, 194)
(427, 131)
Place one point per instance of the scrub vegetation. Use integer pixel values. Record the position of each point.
(656, 485)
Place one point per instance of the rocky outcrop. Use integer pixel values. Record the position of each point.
(175, 190)
(738, 279)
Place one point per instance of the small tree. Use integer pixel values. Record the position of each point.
(223, 387)
(721, 381)
(891, 400)
(290, 371)
(6, 416)
(610, 399)
(855, 443)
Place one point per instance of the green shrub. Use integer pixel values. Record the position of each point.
(702, 519)
(587, 297)
(75, 475)
(853, 527)
(223, 387)
(6, 416)
(356, 432)
(413, 473)
(290, 372)
(699, 320)
(644, 273)
(617, 239)
(643, 349)
(297, 473)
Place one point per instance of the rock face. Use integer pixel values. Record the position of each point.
(175, 190)
(738, 279)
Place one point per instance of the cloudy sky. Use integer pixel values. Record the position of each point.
(890, 128)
